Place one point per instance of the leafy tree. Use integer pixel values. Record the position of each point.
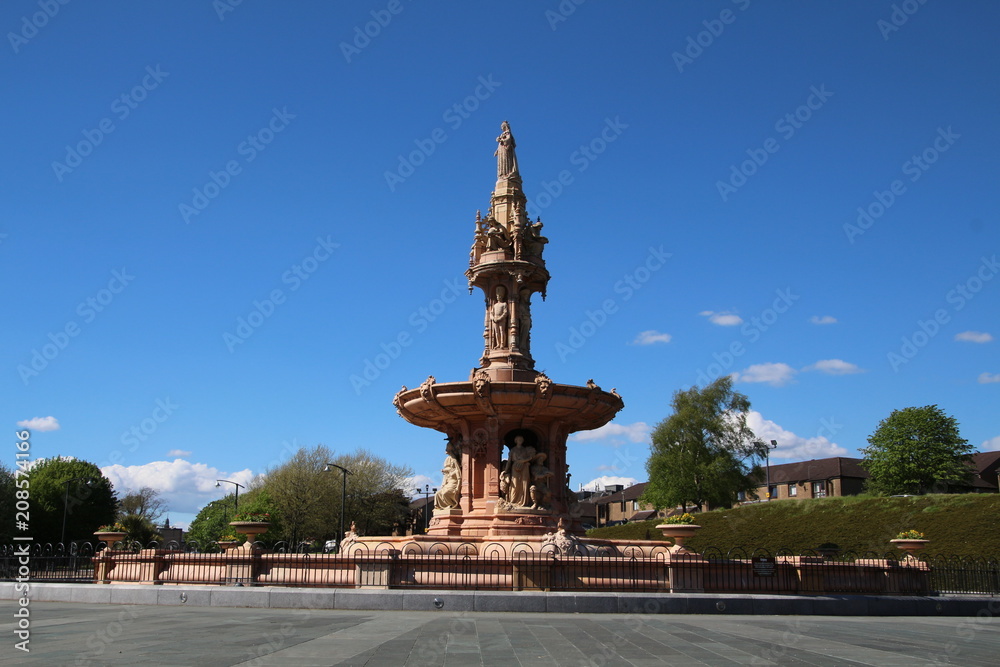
(212, 522)
(75, 487)
(916, 450)
(698, 452)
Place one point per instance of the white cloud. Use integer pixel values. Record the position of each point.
(991, 445)
(825, 319)
(790, 445)
(411, 484)
(974, 337)
(637, 432)
(40, 424)
(650, 337)
(986, 378)
(185, 487)
(608, 480)
(725, 318)
(178, 453)
(776, 375)
(834, 367)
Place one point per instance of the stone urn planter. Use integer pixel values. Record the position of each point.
(910, 546)
(251, 529)
(226, 545)
(109, 537)
(678, 532)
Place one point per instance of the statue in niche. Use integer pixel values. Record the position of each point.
(499, 319)
(524, 319)
(540, 475)
(515, 477)
(447, 496)
(506, 159)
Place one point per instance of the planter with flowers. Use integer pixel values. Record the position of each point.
(229, 541)
(111, 534)
(910, 541)
(251, 524)
(679, 528)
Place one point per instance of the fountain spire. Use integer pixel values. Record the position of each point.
(506, 263)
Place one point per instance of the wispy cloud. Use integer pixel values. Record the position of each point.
(791, 445)
(637, 432)
(724, 318)
(824, 319)
(987, 378)
(834, 367)
(991, 445)
(776, 375)
(651, 337)
(40, 424)
(178, 453)
(974, 337)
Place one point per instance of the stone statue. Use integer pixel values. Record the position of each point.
(350, 538)
(562, 542)
(496, 235)
(540, 475)
(535, 241)
(524, 319)
(516, 474)
(499, 319)
(447, 496)
(506, 159)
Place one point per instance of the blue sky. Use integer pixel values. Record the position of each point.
(803, 194)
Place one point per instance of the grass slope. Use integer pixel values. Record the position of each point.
(963, 524)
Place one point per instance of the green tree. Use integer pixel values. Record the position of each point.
(698, 453)
(917, 450)
(72, 487)
(145, 502)
(212, 522)
(8, 504)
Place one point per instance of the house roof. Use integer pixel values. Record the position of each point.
(815, 470)
(987, 465)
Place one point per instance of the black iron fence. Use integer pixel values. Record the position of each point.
(506, 567)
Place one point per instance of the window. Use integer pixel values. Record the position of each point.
(635, 505)
(819, 489)
(772, 491)
(741, 496)
(793, 490)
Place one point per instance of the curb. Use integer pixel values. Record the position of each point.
(274, 597)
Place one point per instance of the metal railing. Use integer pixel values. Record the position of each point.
(519, 566)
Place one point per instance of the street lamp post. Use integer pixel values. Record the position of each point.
(427, 491)
(87, 480)
(236, 503)
(343, 496)
(767, 454)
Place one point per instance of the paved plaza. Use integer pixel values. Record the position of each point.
(64, 633)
